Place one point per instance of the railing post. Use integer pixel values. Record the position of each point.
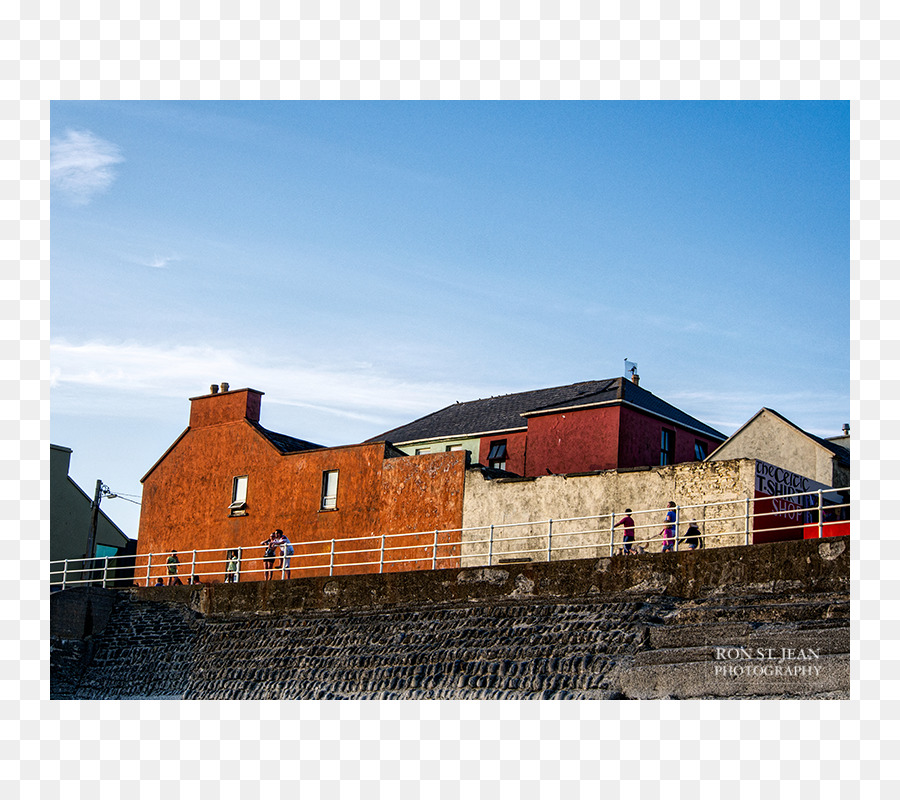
(491, 546)
(65, 571)
(237, 572)
(149, 559)
(549, 539)
(612, 533)
(105, 569)
(381, 556)
(821, 509)
(331, 560)
(747, 521)
(434, 552)
(677, 520)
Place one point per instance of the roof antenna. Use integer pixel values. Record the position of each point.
(631, 366)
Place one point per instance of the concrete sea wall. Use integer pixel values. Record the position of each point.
(762, 621)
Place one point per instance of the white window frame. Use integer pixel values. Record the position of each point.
(329, 500)
(239, 495)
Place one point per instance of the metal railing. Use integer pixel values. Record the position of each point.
(726, 522)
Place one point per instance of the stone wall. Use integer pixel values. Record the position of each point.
(595, 500)
(669, 625)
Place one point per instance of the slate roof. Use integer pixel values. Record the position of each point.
(285, 443)
(505, 413)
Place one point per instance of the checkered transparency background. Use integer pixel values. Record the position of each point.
(489, 50)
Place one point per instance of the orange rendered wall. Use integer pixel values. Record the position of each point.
(187, 494)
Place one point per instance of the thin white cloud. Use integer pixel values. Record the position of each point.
(81, 165)
(139, 371)
(159, 262)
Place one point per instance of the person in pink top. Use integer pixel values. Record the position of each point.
(668, 533)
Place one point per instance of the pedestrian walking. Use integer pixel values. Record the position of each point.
(668, 532)
(627, 524)
(692, 536)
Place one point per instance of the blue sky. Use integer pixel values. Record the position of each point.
(366, 263)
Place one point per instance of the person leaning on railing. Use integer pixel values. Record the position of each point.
(269, 555)
(287, 550)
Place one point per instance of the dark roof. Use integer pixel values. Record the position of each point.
(505, 412)
(285, 443)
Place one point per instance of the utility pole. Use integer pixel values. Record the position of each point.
(95, 513)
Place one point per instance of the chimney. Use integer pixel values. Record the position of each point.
(635, 378)
(214, 389)
(224, 386)
(217, 408)
(846, 429)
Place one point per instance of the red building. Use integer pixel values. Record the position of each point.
(583, 427)
(227, 482)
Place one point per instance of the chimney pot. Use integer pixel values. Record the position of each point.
(635, 378)
(846, 429)
(214, 389)
(224, 387)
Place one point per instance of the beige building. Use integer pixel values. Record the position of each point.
(772, 438)
(70, 516)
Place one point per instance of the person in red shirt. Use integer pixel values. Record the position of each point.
(627, 524)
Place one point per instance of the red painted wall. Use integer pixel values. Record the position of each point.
(187, 494)
(515, 448)
(573, 441)
(640, 439)
(608, 437)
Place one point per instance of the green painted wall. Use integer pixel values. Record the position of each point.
(472, 445)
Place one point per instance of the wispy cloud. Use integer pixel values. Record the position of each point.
(159, 262)
(81, 165)
(137, 372)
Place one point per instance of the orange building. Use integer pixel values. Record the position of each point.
(227, 483)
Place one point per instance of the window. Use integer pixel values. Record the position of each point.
(700, 450)
(238, 505)
(667, 447)
(451, 447)
(497, 455)
(329, 489)
(422, 450)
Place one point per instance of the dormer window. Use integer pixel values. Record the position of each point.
(238, 505)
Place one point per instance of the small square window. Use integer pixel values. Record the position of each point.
(422, 450)
(238, 496)
(329, 489)
(497, 455)
(453, 447)
(700, 450)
